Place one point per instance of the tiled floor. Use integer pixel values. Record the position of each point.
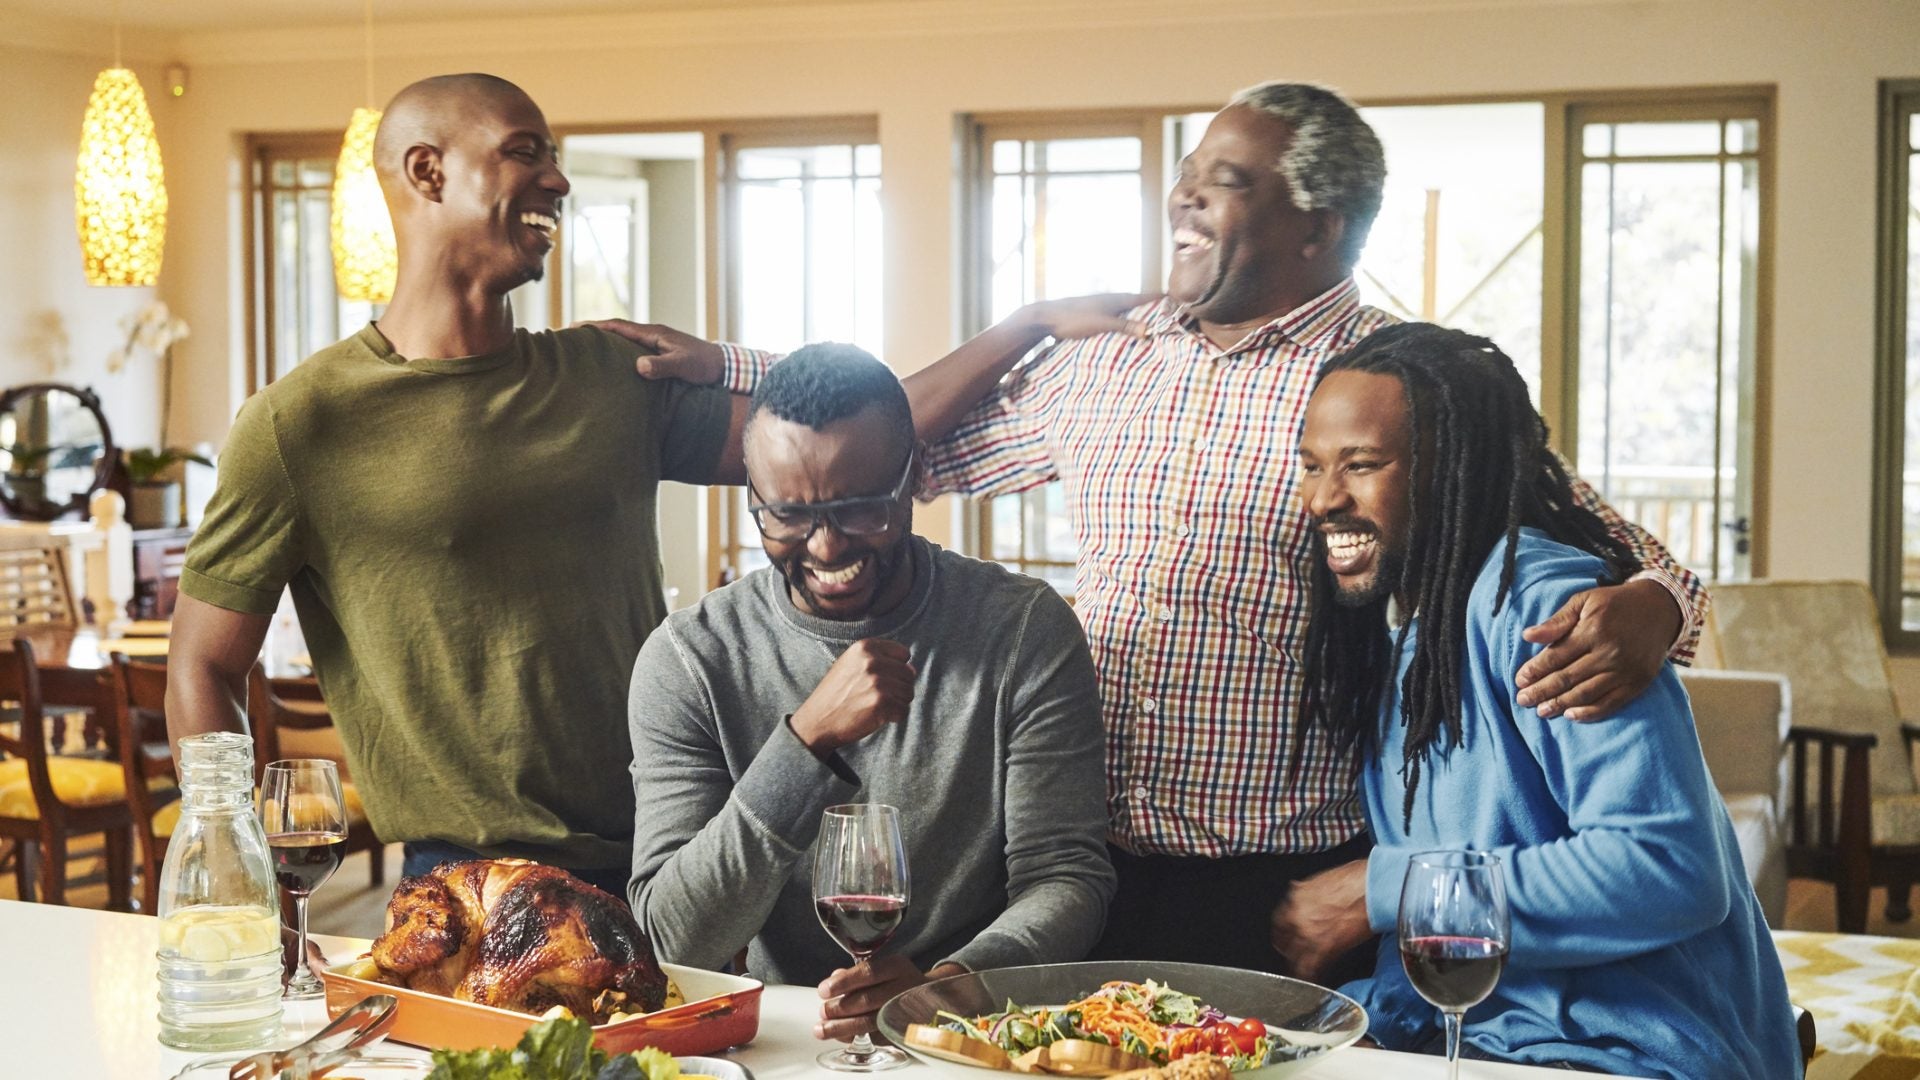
(347, 905)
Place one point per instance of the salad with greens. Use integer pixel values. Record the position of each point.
(1149, 1019)
(558, 1049)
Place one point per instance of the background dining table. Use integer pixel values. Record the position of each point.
(77, 1000)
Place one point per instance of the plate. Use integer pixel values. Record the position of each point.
(1305, 1022)
(721, 1011)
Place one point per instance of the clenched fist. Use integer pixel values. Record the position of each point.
(871, 685)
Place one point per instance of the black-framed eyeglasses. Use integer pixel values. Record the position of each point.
(868, 515)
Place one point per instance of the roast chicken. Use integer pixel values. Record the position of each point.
(518, 935)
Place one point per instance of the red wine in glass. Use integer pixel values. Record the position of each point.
(861, 924)
(1454, 973)
(303, 861)
(1453, 931)
(860, 893)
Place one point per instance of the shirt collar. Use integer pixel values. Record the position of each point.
(1310, 325)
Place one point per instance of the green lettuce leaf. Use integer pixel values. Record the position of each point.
(559, 1049)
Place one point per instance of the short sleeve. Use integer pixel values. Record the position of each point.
(695, 430)
(251, 542)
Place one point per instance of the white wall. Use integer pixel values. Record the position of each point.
(917, 65)
(53, 325)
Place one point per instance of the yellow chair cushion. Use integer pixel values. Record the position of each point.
(76, 782)
(167, 817)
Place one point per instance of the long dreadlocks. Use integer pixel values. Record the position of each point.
(1481, 470)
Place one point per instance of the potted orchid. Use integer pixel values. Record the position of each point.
(156, 496)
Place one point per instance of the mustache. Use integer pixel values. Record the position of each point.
(1342, 523)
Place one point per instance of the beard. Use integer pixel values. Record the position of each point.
(1385, 580)
(887, 564)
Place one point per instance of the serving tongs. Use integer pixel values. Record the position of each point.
(363, 1024)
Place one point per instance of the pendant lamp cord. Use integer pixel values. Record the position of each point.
(116, 32)
(370, 102)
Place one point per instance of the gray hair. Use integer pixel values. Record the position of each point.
(1334, 161)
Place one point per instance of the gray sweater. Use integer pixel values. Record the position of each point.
(997, 772)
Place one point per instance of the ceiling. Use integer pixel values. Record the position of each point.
(181, 16)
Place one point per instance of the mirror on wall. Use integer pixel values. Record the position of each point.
(55, 450)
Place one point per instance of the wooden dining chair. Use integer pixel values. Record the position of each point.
(152, 781)
(277, 717)
(46, 798)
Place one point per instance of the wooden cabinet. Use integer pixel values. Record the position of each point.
(158, 557)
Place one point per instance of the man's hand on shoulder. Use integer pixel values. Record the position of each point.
(1085, 316)
(671, 354)
(854, 995)
(1604, 646)
(870, 686)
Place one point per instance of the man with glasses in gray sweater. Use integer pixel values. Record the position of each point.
(864, 665)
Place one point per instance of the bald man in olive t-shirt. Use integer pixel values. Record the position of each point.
(470, 548)
(464, 513)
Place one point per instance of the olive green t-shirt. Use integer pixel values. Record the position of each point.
(472, 552)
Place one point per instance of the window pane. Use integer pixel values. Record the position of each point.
(809, 262)
(1475, 172)
(766, 163)
(772, 265)
(1743, 136)
(1188, 131)
(1091, 155)
(1910, 489)
(1006, 155)
(1913, 131)
(1085, 251)
(316, 172)
(1597, 140)
(1690, 137)
(1652, 349)
(866, 160)
(321, 323)
(1056, 235)
(283, 173)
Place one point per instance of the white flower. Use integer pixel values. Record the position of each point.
(153, 329)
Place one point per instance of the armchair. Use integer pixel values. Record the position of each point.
(1854, 817)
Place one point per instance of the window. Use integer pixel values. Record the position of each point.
(1664, 233)
(802, 264)
(297, 309)
(1459, 237)
(1626, 285)
(1897, 475)
(1062, 208)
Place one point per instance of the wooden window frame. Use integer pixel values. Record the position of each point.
(1899, 101)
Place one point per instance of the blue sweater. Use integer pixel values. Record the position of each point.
(1637, 946)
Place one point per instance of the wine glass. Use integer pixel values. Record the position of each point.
(860, 893)
(1453, 934)
(306, 824)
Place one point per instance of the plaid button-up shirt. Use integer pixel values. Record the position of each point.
(1177, 459)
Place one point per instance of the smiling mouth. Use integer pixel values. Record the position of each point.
(544, 224)
(1188, 243)
(838, 581)
(1349, 552)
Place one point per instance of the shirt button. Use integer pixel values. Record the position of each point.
(1149, 706)
(1183, 532)
(1140, 791)
(1165, 614)
(1200, 444)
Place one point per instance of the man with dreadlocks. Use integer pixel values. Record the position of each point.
(1435, 500)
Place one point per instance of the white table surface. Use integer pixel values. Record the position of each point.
(77, 1000)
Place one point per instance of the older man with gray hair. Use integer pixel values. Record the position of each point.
(1175, 441)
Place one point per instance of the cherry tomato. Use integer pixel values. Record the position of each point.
(1248, 1033)
(1224, 1042)
(1190, 1041)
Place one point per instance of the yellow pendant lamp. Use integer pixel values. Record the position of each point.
(364, 259)
(119, 187)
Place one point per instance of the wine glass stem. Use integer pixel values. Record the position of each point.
(301, 973)
(1453, 1044)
